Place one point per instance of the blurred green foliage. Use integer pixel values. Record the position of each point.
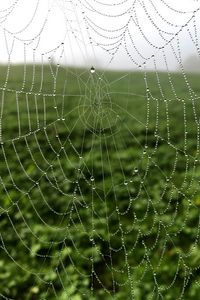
(57, 246)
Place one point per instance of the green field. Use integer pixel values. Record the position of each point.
(99, 184)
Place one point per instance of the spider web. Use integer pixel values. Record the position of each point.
(99, 170)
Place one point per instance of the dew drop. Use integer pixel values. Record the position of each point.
(92, 178)
(125, 183)
(92, 70)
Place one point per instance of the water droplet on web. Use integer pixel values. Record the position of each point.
(92, 70)
(92, 178)
(125, 183)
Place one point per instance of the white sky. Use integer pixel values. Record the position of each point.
(36, 30)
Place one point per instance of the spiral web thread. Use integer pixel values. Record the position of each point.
(80, 148)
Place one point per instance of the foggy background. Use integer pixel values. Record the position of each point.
(114, 34)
